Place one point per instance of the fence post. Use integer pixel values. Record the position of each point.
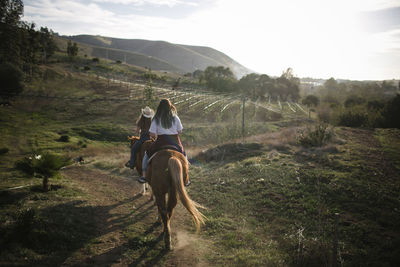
(244, 100)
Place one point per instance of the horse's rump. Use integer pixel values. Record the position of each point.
(160, 159)
(167, 173)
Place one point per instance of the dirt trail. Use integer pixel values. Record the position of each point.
(121, 206)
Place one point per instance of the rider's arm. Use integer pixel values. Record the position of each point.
(153, 135)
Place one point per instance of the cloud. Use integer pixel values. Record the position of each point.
(169, 3)
(314, 38)
(381, 20)
(74, 17)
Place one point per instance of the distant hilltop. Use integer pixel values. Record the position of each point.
(159, 55)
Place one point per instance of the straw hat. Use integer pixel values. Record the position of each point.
(147, 112)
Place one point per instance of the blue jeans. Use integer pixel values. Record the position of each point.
(144, 162)
(143, 137)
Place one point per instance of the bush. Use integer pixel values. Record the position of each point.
(11, 78)
(46, 165)
(4, 150)
(64, 138)
(375, 105)
(391, 113)
(25, 221)
(352, 119)
(324, 113)
(318, 136)
(353, 101)
(25, 165)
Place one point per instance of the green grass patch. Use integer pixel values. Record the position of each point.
(390, 141)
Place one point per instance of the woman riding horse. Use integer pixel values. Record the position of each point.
(167, 172)
(142, 128)
(165, 129)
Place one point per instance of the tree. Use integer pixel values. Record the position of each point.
(220, 79)
(249, 84)
(310, 101)
(331, 85)
(30, 46)
(198, 74)
(10, 33)
(288, 86)
(72, 49)
(11, 78)
(47, 44)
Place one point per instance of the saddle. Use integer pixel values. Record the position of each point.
(171, 147)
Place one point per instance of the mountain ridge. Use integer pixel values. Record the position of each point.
(182, 58)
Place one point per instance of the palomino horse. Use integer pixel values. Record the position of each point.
(166, 173)
(139, 156)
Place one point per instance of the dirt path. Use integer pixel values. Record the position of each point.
(124, 216)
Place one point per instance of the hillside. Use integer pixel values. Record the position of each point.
(270, 201)
(160, 55)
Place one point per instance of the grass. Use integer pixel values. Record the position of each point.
(43, 228)
(270, 201)
(291, 201)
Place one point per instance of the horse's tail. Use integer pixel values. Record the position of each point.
(176, 171)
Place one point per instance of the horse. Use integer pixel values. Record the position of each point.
(166, 173)
(139, 156)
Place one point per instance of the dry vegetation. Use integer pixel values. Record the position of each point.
(270, 200)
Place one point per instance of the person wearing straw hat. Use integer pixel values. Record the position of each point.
(142, 128)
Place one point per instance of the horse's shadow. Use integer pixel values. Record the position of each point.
(156, 258)
(114, 254)
(82, 221)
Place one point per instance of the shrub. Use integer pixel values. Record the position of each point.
(46, 165)
(275, 116)
(86, 68)
(11, 78)
(316, 137)
(375, 105)
(324, 113)
(64, 138)
(4, 150)
(25, 220)
(351, 118)
(391, 113)
(96, 59)
(353, 101)
(25, 165)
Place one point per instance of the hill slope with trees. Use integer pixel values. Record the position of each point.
(183, 58)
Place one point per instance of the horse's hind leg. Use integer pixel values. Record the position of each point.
(172, 200)
(162, 209)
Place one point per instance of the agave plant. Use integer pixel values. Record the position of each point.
(45, 165)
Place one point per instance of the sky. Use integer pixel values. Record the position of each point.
(343, 39)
